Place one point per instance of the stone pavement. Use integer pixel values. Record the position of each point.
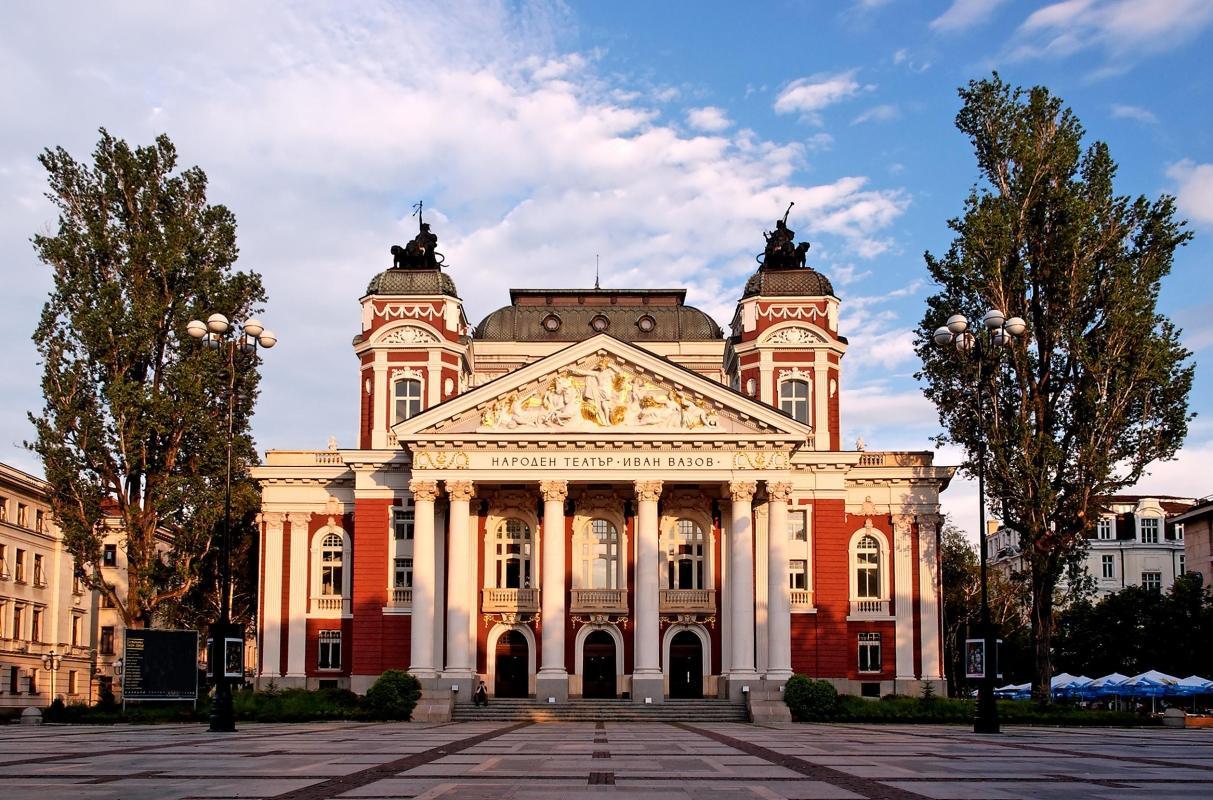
(556, 761)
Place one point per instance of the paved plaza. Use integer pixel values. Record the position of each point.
(577, 760)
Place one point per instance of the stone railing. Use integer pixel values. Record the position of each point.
(401, 598)
(510, 601)
(802, 598)
(687, 601)
(869, 608)
(599, 601)
(338, 605)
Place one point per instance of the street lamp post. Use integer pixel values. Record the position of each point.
(52, 661)
(996, 332)
(239, 351)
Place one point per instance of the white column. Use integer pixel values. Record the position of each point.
(779, 593)
(821, 401)
(553, 677)
(647, 677)
(928, 594)
(459, 582)
(297, 605)
(379, 396)
(421, 658)
(741, 586)
(271, 598)
(903, 595)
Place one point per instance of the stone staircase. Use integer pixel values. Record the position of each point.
(506, 709)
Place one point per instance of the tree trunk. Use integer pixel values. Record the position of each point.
(1042, 637)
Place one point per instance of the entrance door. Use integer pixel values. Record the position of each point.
(598, 665)
(686, 665)
(511, 666)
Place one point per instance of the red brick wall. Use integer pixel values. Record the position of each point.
(312, 647)
(831, 586)
(372, 538)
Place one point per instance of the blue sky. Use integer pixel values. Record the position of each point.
(661, 136)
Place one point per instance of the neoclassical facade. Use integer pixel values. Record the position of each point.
(599, 493)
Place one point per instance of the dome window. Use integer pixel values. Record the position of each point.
(551, 323)
(646, 323)
(600, 323)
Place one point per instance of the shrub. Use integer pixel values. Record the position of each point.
(393, 695)
(810, 699)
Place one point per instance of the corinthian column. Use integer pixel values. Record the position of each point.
(928, 594)
(741, 583)
(647, 678)
(903, 599)
(271, 598)
(779, 593)
(459, 600)
(421, 649)
(553, 678)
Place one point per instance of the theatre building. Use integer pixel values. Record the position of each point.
(598, 493)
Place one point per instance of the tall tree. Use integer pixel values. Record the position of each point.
(1098, 388)
(132, 435)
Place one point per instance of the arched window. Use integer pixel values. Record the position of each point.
(600, 556)
(794, 399)
(685, 556)
(513, 555)
(867, 568)
(408, 398)
(332, 562)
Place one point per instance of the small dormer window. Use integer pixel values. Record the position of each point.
(1149, 530)
(600, 323)
(551, 323)
(646, 323)
(1104, 528)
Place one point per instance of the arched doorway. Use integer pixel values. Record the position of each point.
(686, 665)
(598, 670)
(511, 665)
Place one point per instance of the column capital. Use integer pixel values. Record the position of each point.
(648, 490)
(742, 490)
(779, 490)
(424, 490)
(929, 522)
(459, 490)
(902, 522)
(298, 517)
(554, 491)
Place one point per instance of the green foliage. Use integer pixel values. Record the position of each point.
(393, 695)
(297, 705)
(942, 710)
(810, 699)
(130, 430)
(1098, 388)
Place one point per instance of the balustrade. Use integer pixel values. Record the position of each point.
(599, 601)
(509, 601)
(869, 608)
(688, 600)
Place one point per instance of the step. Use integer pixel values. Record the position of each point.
(582, 710)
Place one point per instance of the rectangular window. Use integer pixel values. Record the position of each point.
(19, 566)
(1104, 528)
(4, 513)
(402, 522)
(1108, 566)
(33, 681)
(869, 652)
(23, 515)
(109, 556)
(1182, 566)
(1179, 532)
(18, 621)
(1149, 530)
(4, 575)
(77, 629)
(404, 574)
(330, 650)
(107, 640)
(3, 619)
(1152, 580)
(798, 574)
(35, 628)
(39, 574)
(77, 581)
(106, 600)
(13, 673)
(73, 682)
(798, 529)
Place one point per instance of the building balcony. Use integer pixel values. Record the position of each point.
(509, 601)
(400, 598)
(869, 609)
(801, 599)
(331, 605)
(687, 601)
(599, 601)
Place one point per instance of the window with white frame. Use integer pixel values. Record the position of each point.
(1107, 567)
(686, 554)
(1152, 580)
(600, 556)
(3, 509)
(407, 393)
(1104, 528)
(798, 574)
(794, 399)
(867, 568)
(19, 566)
(77, 630)
(1182, 568)
(18, 621)
(329, 650)
(332, 565)
(4, 573)
(1179, 531)
(39, 572)
(402, 522)
(798, 527)
(513, 555)
(1149, 530)
(35, 628)
(869, 652)
(403, 578)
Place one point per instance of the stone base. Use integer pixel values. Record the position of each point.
(553, 685)
(435, 705)
(737, 685)
(648, 686)
(765, 703)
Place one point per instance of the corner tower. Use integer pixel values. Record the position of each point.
(785, 349)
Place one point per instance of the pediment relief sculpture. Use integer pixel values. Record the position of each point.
(602, 395)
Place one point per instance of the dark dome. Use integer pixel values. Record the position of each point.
(801, 282)
(631, 323)
(412, 281)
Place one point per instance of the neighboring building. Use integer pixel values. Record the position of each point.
(1138, 541)
(1195, 528)
(45, 610)
(596, 492)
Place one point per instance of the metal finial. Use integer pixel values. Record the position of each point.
(417, 208)
(596, 286)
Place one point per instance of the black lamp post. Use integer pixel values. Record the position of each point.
(239, 350)
(995, 333)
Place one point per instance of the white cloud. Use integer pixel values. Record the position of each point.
(964, 14)
(709, 118)
(1120, 111)
(1124, 29)
(809, 96)
(885, 112)
(1194, 191)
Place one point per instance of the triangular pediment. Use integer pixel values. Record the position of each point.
(601, 388)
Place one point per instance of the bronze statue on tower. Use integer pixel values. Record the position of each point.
(421, 252)
(781, 252)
